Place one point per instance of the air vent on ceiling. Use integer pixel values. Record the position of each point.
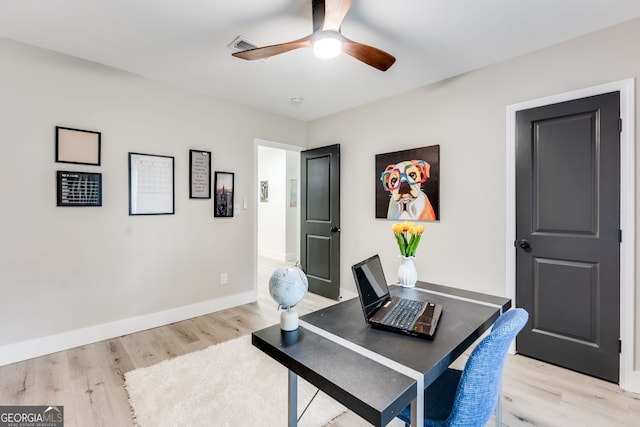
(240, 44)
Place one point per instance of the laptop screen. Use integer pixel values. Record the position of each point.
(371, 283)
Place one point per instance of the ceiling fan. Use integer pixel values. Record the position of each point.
(327, 40)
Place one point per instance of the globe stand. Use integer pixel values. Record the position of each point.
(289, 320)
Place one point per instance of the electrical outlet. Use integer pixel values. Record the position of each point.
(223, 279)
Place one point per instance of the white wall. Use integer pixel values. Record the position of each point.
(466, 116)
(68, 269)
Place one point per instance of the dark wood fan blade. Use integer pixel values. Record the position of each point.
(368, 54)
(329, 14)
(276, 49)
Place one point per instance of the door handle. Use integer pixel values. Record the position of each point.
(334, 229)
(524, 244)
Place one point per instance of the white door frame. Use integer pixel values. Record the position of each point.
(629, 378)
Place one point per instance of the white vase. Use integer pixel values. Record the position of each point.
(407, 274)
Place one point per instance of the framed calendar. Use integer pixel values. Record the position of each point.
(151, 184)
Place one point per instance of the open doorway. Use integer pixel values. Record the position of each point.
(278, 218)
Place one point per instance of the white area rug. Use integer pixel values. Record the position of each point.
(228, 384)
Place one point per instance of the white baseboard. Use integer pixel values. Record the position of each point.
(631, 382)
(279, 256)
(50, 344)
(346, 294)
(291, 257)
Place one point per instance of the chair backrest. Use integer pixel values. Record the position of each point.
(479, 386)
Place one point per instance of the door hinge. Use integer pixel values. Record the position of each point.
(619, 346)
(619, 124)
(620, 236)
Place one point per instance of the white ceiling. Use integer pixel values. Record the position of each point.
(185, 42)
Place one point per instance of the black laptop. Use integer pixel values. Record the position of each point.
(383, 311)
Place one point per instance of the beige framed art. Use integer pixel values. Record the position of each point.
(77, 146)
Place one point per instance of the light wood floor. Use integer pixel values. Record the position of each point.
(89, 380)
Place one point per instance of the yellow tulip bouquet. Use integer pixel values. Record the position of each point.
(408, 236)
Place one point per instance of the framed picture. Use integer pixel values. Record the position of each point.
(199, 174)
(77, 146)
(408, 184)
(151, 184)
(223, 204)
(264, 191)
(79, 188)
(293, 193)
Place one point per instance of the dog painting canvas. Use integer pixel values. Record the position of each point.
(408, 184)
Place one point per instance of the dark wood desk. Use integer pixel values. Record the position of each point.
(377, 373)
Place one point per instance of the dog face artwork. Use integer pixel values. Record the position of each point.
(408, 184)
(404, 181)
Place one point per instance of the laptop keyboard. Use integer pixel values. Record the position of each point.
(404, 313)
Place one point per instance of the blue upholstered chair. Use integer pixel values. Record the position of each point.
(469, 397)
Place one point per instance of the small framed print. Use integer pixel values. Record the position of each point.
(77, 146)
(264, 191)
(223, 204)
(151, 184)
(293, 193)
(79, 188)
(199, 174)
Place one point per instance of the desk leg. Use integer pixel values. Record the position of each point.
(417, 410)
(293, 399)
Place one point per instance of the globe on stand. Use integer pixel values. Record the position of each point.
(287, 287)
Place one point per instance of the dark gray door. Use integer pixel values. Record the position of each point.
(320, 219)
(567, 226)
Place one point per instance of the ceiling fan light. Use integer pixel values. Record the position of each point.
(327, 46)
